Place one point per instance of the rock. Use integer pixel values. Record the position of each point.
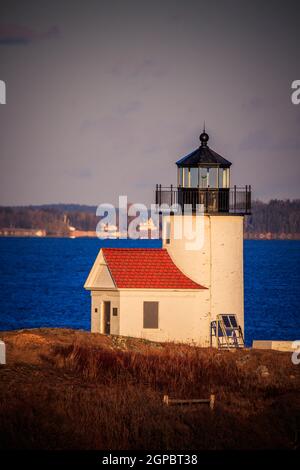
(243, 359)
(2, 353)
(263, 371)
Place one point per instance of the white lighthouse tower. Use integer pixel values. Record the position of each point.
(217, 262)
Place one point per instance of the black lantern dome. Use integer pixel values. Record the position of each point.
(203, 156)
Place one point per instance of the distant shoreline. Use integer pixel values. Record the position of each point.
(90, 234)
(275, 220)
(271, 236)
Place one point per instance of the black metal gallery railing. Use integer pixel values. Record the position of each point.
(215, 200)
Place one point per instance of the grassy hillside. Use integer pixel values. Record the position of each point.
(67, 389)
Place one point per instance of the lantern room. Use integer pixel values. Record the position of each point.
(203, 184)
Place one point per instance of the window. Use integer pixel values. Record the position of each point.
(186, 177)
(213, 178)
(221, 178)
(203, 178)
(96, 310)
(150, 315)
(194, 177)
(180, 177)
(226, 178)
(115, 312)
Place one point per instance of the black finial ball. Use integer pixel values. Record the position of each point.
(204, 138)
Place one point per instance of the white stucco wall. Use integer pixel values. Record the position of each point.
(227, 279)
(183, 315)
(217, 264)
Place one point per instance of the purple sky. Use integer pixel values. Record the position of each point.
(104, 96)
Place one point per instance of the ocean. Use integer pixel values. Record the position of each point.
(42, 284)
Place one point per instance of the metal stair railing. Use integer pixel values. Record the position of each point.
(231, 336)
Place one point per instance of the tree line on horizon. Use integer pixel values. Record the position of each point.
(274, 217)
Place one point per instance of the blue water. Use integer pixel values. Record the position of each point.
(42, 284)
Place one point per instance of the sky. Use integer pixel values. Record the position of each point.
(103, 97)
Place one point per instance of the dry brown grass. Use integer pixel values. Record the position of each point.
(78, 390)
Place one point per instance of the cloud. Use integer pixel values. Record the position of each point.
(80, 173)
(130, 107)
(20, 35)
(115, 121)
(256, 103)
(261, 141)
(140, 69)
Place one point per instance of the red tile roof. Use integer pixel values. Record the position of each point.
(150, 268)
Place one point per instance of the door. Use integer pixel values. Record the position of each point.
(106, 312)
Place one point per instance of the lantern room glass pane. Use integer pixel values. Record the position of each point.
(203, 177)
(226, 180)
(194, 177)
(186, 179)
(180, 173)
(213, 178)
(221, 171)
(222, 178)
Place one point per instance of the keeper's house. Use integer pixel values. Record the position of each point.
(173, 293)
(141, 292)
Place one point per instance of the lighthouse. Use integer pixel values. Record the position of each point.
(184, 291)
(204, 181)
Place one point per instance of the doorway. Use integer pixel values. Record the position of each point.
(106, 318)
